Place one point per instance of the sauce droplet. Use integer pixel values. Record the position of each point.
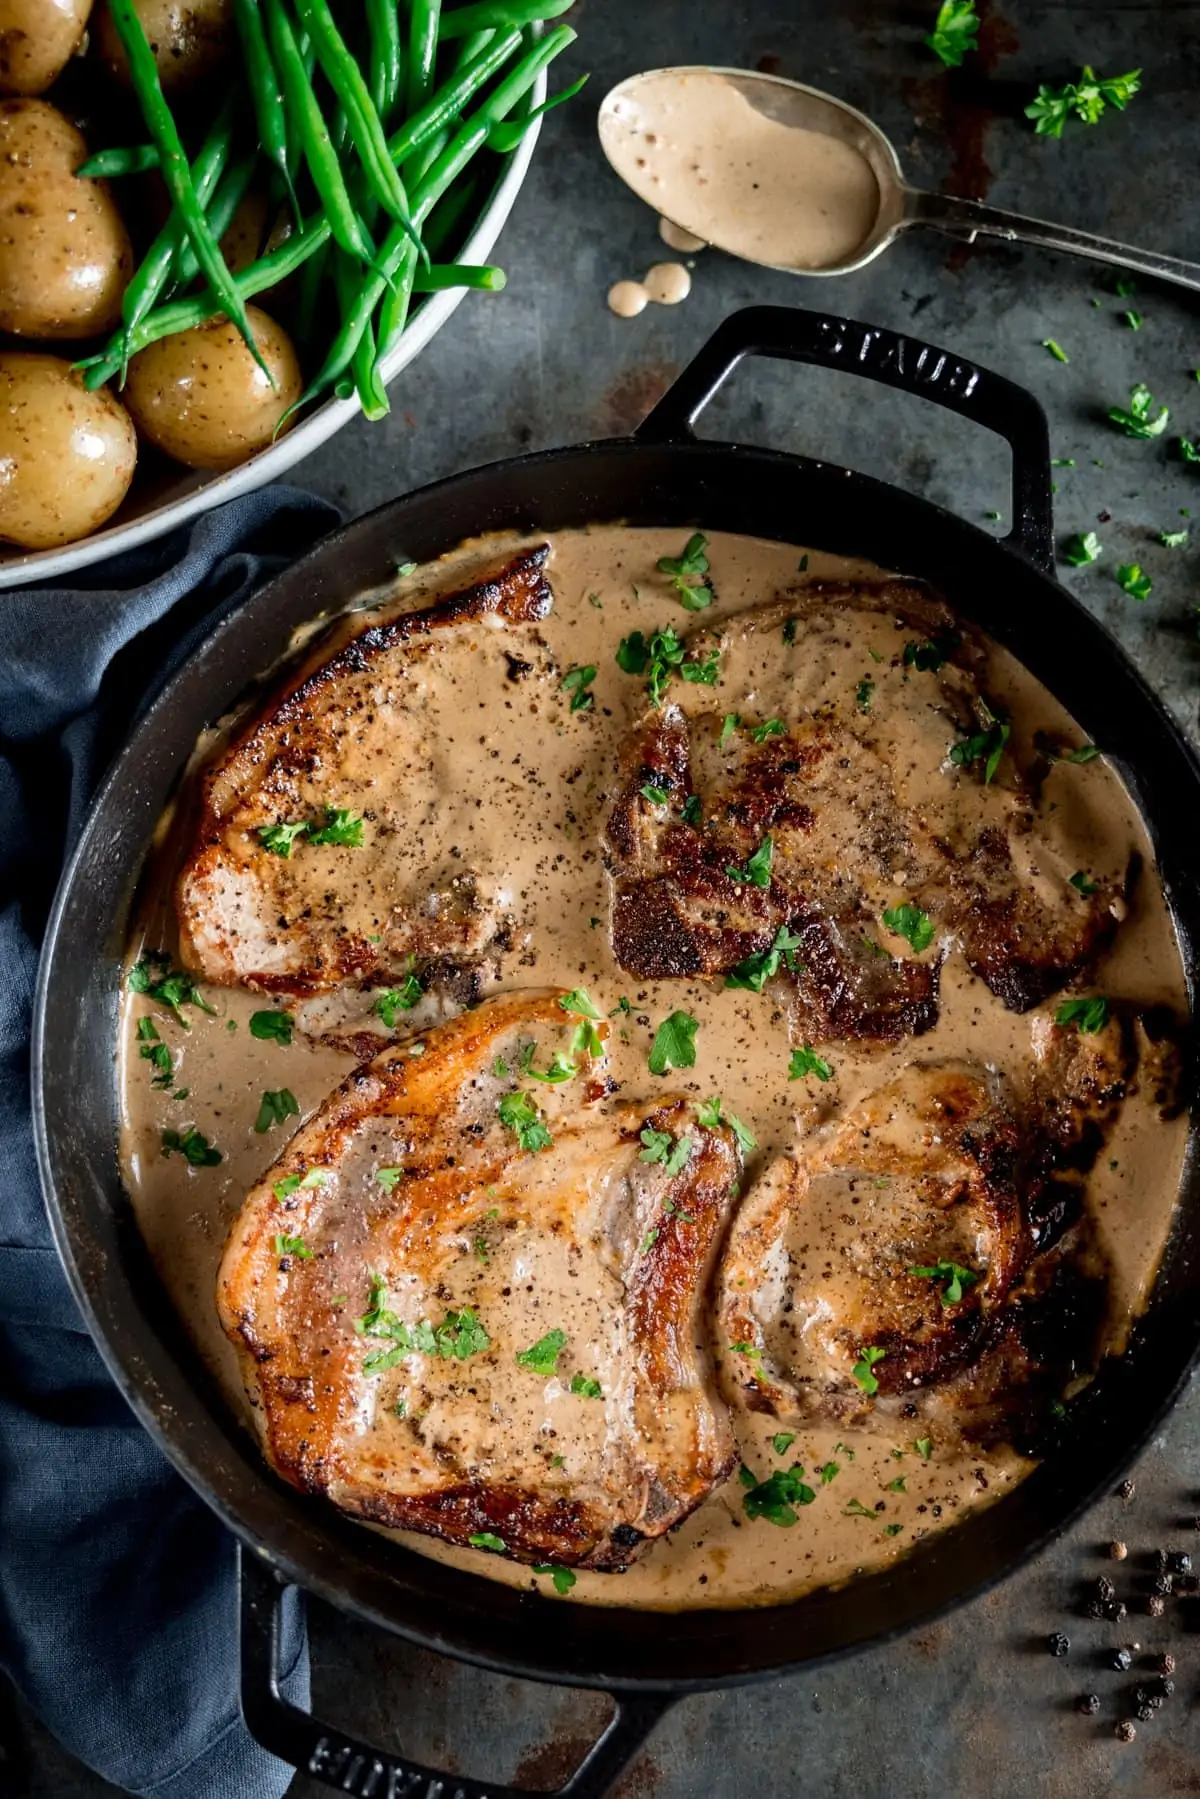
(627, 299)
(676, 238)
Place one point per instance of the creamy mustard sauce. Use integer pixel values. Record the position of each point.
(693, 144)
(545, 777)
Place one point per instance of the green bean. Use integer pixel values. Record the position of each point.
(422, 50)
(451, 97)
(319, 152)
(470, 45)
(230, 192)
(107, 164)
(383, 23)
(178, 176)
(266, 92)
(345, 77)
(506, 134)
(461, 20)
(440, 275)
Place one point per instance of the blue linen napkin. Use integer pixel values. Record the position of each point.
(118, 1616)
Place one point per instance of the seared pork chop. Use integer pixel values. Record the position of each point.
(833, 814)
(468, 1303)
(309, 868)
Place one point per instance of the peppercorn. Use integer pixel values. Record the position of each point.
(1160, 1561)
(1144, 1713)
(1125, 1731)
(1118, 1551)
(1164, 1585)
(1105, 1588)
(1115, 1610)
(1181, 1562)
(1094, 1608)
(1122, 1661)
(1088, 1704)
(1165, 1687)
(1126, 1490)
(1165, 1664)
(1156, 1606)
(1058, 1644)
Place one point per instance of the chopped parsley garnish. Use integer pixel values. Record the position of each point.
(280, 838)
(1081, 882)
(398, 999)
(563, 1578)
(292, 1183)
(862, 1369)
(828, 1472)
(897, 1485)
(712, 1115)
(272, 1027)
(955, 32)
(757, 872)
(487, 1539)
(660, 1146)
(388, 1178)
(1189, 451)
(923, 1447)
(783, 1442)
(580, 1003)
(756, 970)
(584, 1387)
(658, 796)
(292, 1246)
(856, 1509)
(1056, 350)
(789, 624)
(542, 1357)
(689, 574)
(578, 683)
(1173, 540)
(342, 828)
(776, 1497)
(729, 725)
(1080, 550)
(770, 727)
(153, 1050)
(1088, 99)
(559, 1069)
(864, 693)
(892, 1530)
(1089, 1016)
(691, 809)
(519, 1114)
(1087, 752)
(986, 746)
(674, 1043)
(1135, 582)
(909, 922)
(194, 1147)
(1137, 420)
(660, 657)
(459, 1335)
(929, 656)
(806, 1061)
(953, 1280)
(153, 975)
(1133, 319)
(276, 1108)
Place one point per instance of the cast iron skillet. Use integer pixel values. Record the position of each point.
(660, 476)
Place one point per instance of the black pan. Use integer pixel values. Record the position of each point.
(660, 476)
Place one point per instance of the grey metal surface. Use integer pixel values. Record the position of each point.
(974, 1706)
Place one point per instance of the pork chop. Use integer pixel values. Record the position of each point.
(468, 1302)
(309, 868)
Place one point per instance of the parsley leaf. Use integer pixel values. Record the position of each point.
(1173, 540)
(194, 1147)
(1137, 422)
(829, 1472)
(633, 653)
(783, 1442)
(280, 838)
(559, 1069)
(861, 1371)
(292, 1246)
(658, 1145)
(805, 1061)
(542, 1358)
(272, 1027)
(1056, 350)
(689, 574)
(775, 1498)
(1135, 583)
(729, 725)
(292, 1183)
(1089, 1016)
(770, 727)
(388, 1178)
(712, 1115)
(1082, 882)
(1189, 451)
(584, 1387)
(757, 871)
(909, 922)
(153, 1050)
(578, 1002)
(563, 1578)
(276, 1108)
(953, 1278)
(662, 656)
(986, 746)
(691, 809)
(955, 31)
(1087, 752)
(459, 1335)
(398, 999)
(756, 970)
(864, 693)
(658, 796)
(1088, 98)
(487, 1539)
(153, 975)
(578, 683)
(923, 1447)
(1080, 550)
(342, 828)
(928, 657)
(674, 1043)
(519, 1114)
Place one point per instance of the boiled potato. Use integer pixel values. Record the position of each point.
(189, 38)
(65, 258)
(37, 40)
(202, 398)
(66, 456)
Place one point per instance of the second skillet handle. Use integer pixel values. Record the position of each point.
(352, 1766)
(904, 362)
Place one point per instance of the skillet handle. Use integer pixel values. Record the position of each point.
(351, 1766)
(796, 335)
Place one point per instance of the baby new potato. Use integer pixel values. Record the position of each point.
(190, 39)
(37, 40)
(65, 258)
(67, 456)
(202, 398)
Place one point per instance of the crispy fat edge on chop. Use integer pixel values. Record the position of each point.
(667, 1432)
(280, 733)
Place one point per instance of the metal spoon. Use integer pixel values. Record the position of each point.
(792, 104)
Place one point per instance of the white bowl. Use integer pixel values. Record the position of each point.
(142, 518)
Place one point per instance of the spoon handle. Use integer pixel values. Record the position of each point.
(969, 219)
